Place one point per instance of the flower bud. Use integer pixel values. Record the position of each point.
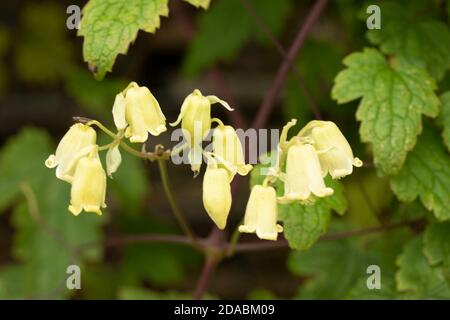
(217, 194)
(137, 110)
(88, 185)
(113, 159)
(335, 153)
(76, 143)
(303, 174)
(228, 147)
(261, 213)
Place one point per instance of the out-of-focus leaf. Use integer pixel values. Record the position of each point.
(424, 42)
(394, 97)
(44, 52)
(426, 174)
(261, 294)
(96, 97)
(304, 224)
(199, 3)
(437, 245)
(416, 277)
(225, 28)
(46, 233)
(109, 26)
(445, 117)
(134, 293)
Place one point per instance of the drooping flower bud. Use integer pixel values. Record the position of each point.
(79, 140)
(261, 213)
(228, 148)
(137, 110)
(88, 185)
(113, 159)
(335, 153)
(217, 194)
(195, 118)
(303, 174)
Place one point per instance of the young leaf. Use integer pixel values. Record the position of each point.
(394, 97)
(426, 173)
(199, 3)
(109, 26)
(421, 41)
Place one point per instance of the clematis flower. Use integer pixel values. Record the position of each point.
(78, 141)
(335, 153)
(303, 176)
(195, 118)
(88, 185)
(217, 193)
(137, 111)
(227, 146)
(261, 213)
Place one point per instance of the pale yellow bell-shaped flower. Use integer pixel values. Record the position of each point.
(138, 112)
(228, 148)
(88, 185)
(335, 153)
(303, 176)
(195, 118)
(113, 159)
(78, 141)
(217, 194)
(261, 213)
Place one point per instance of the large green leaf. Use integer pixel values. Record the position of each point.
(46, 233)
(225, 29)
(424, 41)
(394, 96)
(304, 224)
(109, 26)
(416, 277)
(426, 174)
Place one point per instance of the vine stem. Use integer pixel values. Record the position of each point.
(269, 100)
(173, 202)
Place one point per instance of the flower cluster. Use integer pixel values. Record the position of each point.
(136, 113)
(318, 149)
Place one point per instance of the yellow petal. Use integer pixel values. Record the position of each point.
(119, 112)
(217, 195)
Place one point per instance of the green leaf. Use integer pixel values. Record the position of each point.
(437, 245)
(44, 53)
(45, 236)
(304, 224)
(135, 293)
(199, 3)
(445, 116)
(394, 97)
(421, 41)
(109, 26)
(416, 277)
(426, 174)
(225, 29)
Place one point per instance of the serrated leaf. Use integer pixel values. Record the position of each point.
(445, 117)
(217, 39)
(424, 41)
(426, 174)
(416, 277)
(109, 26)
(199, 3)
(394, 97)
(304, 224)
(45, 236)
(437, 245)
